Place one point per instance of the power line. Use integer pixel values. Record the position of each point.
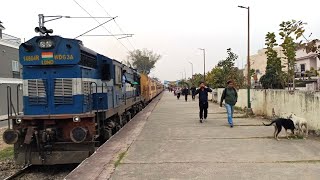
(108, 35)
(93, 28)
(116, 24)
(102, 26)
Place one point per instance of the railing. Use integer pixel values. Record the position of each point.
(91, 104)
(10, 106)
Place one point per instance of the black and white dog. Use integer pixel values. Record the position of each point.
(279, 123)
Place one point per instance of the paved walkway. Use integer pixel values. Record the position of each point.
(174, 145)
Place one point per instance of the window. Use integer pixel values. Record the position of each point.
(302, 67)
(118, 74)
(15, 66)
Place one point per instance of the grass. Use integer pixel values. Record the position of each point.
(120, 157)
(299, 137)
(6, 153)
(238, 108)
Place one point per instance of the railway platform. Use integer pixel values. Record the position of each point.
(166, 141)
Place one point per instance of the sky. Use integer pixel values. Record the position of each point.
(175, 29)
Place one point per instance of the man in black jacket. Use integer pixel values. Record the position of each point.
(203, 100)
(193, 90)
(185, 92)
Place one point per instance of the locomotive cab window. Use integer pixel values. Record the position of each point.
(118, 75)
(105, 72)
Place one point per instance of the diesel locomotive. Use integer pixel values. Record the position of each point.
(74, 99)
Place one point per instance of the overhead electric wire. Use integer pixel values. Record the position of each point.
(102, 25)
(94, 28)
(117, 25)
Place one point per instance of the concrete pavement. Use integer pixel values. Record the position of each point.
(174, 145)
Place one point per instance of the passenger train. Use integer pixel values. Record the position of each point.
(74, 100)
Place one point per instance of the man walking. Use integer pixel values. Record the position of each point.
(193, 91)
(203, 100)
(230, 96)
(185, 91)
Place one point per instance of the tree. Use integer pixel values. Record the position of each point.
(143, 60)
(215, 78)
(197, 78)
(225, 71)
(290, 31)
(274, 77)
(311, 46)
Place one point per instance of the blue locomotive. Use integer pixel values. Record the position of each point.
(74, 100)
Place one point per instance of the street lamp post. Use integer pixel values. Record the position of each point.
(248, 60)
(191, 71)
(204, 64)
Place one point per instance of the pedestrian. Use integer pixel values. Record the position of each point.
(178, 92)
(193, 91)
(230, 97)
(185, 92)
(203, 100)
(124, 81)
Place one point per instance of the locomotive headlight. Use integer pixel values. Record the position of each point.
(76, 119)
(19, 121)
(42, 44)
(49, 43)
(45, 43)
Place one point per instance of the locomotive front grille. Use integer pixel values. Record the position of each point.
(37, 91)
(63, 91)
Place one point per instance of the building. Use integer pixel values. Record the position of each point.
(10, 70)
(304, 62)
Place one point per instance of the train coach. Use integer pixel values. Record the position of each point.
(74, 100)
(150, 88)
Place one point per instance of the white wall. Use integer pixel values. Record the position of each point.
(303, 104)
(304, 61)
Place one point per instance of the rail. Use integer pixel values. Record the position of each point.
(19, 173)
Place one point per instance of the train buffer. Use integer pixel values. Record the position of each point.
(166, 141)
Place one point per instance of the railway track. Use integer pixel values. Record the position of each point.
(52, 172)
(19, 173)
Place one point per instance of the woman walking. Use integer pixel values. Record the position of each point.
(178, 92)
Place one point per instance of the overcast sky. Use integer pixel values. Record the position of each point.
(173, 28)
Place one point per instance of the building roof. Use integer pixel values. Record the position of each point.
(1, 27)
(10, 41)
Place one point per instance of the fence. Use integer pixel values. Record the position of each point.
(304, 104)
(3, 99)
